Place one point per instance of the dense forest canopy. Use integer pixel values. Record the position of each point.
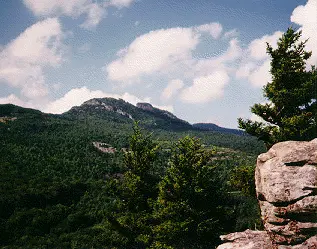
(59, 191)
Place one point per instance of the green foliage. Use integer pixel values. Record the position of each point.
(188, 204)
(58, 191)
(137, 192)
(242, 178)
(292, 111)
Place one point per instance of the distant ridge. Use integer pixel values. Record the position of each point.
(214, 127)
(120, 111)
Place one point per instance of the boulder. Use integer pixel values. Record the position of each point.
(286, 188)
(246, 240)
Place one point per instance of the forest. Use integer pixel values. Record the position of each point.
(59, 191)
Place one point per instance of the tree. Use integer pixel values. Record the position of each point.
(189, 205)
(137, 191)
(291, 113)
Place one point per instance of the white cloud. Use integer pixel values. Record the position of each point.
(72, 8)
(306, 17)
(93, 11)
(258, 75)
(172, 88)
(13, 99)
(153, 52)
(23, 60)
(231, 34)
(121, 3)
(214, 29)
(168, 51)
(206, 88)
(261, 75)
(257, 47)
(204, 66)
(245, 70)
(255, 62)
(165, 107)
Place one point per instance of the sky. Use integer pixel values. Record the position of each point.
(203, 60)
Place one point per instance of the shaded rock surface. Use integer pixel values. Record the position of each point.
(247, 240)
(286, 187)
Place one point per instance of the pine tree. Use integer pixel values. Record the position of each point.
(137, 191)
(291, 113)
(188, 205)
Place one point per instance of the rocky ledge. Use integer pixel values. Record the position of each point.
(286, 187)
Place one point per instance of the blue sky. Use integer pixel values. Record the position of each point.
(203, 60)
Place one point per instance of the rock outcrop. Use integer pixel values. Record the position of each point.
(248, 239)
(145, 106)
(286, 187)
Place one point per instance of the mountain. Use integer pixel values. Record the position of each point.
(110, 121)
(214, 127)
(60, 173)
(118, 110)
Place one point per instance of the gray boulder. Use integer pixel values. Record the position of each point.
(286, 187)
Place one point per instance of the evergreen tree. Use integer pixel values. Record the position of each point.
(291, 113)
(189, 204)
(138, 189)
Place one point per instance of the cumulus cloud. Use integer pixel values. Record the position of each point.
(255, 62)
(153, 52)
(257, 47)
(172, 88)
(261, 75)
(121, 3)
(165, 107)
(23, 60)
(13, 99)
(306, 17)
(92, 10)
(168, 52)
(206, 88)
(214, 29)
(204, 66)
(95, 13)
(231, 34)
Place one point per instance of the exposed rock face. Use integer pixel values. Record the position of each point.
(286, 187)
(247, 240)
(145, 106)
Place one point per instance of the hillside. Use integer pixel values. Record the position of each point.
(59, 172)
